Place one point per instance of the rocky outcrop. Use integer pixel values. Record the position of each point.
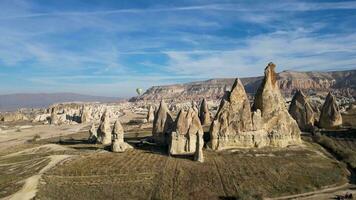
(151, 114)
(118, 144)
(330, 116)
(204, 114)
(85, 115)
(282, 128)
(104, 130)
(162, 124)
(287, 81)
(268, 125)
(232, 118)
(301, 110)
(54, 117)
(183, 139)
(13, 116)
(199, 148)
(93, 136)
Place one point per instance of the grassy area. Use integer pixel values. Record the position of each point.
(148, 173)
(342, 145)
(13, 170)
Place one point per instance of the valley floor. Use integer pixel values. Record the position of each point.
(88, 171)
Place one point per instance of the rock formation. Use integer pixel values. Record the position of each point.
(151, 114)
(199, 148)
(162, 124)
(85, 115)
(204, 114)
(288, 81)
(330, 116)
(183, 138)
(104, 130)
(232, 118)
(268, 125)
(282, 128)
(54, 117)
(93, 136)
(301, 110)
(118, 144)
(13, 116)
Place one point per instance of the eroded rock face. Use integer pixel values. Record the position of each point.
(330, 116)
(199, 148)
(54, 117)
(118, 143)
(104, 130)
(85, 115)
(183, 138)
(93, 136)
(282, 128)
(162, 124)
(301, 111)
(268, 125)
(151, 114)
(232, 118)
(13, 116)
(204, 114)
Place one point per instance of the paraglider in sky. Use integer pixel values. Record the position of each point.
(139, 91)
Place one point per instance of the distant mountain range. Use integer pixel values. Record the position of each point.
(10, 102)
(342, 82)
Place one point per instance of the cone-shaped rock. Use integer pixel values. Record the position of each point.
(204, 113)
(330, 116)
(232, 118)
(104, 130)
(118, 144)
(283, 129)
(183, 138)
(301, 111)
(93, 136)
(151, 114)
(162, 124)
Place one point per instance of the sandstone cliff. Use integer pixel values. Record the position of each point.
(343, 82)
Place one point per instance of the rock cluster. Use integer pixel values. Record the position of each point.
(118, 144)
(187, 127)
(204, 114)
(301, 110)
(269, 125)
(104, 130)
(330, 116)
(162, 124)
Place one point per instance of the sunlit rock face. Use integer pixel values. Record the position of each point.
(118, 144)
(268, 125)
(204, 114)
(301, 110)
(183, 139)
(104, 130)
(150, 114)
(330, 116)
(162, 124)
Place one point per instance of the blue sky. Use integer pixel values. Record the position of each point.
(110, 48)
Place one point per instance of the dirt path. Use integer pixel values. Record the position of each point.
(29, 189)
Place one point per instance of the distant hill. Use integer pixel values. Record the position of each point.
(10, 102)
(342, 82)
